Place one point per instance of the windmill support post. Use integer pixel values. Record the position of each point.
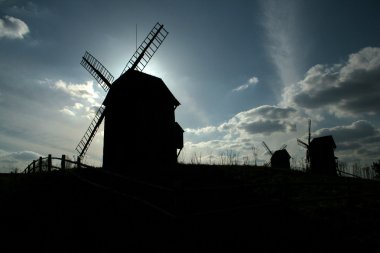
(78, 162)
(49, 163)
(40, 164)
(63, 162)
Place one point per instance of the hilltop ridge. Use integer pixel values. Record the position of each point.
(189, 208)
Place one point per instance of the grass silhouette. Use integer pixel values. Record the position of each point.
(188, 208)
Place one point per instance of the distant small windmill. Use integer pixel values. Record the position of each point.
(138, 111)
(306, 145)
(320, 157)
(279, 158)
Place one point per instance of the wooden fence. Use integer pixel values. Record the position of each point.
(45, 164)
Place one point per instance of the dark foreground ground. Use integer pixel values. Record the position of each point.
(190, 208)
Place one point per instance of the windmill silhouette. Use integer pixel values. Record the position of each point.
(320, 157)
(279, 158)
(138, 111)
(306, 145)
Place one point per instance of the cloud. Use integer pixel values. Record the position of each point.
(202, 131)
(67, 111)
(85, 99)
(19, 160)
(84, 91)
(251, 82)
(348, 89)
(78, 106)
(358, 131)
(358, 140)
(264, 120)
(13, 28)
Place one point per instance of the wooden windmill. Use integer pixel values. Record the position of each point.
(279, 158)
(320, 157)
(139, 125)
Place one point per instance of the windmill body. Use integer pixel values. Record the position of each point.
(140, 124)
(138, 110)
(279, 158)
(320, 157)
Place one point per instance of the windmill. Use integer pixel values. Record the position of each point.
(306, 145)
(135, 103)
(279, 158)
(320, 157)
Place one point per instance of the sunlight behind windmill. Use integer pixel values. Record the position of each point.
(130, 100)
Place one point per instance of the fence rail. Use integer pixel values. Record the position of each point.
(45, 164)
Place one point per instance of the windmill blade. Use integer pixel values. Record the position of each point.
(303, 144)
(84, 143)
(267, 148)
(147, 48)
(283, 146)
(97, 70)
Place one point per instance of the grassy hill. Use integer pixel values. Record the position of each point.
(188, 208)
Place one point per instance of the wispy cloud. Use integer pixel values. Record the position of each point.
(251, 82)
(280, 26)
(203, 130)
(13, 28)
(84, 91)
(67, 111)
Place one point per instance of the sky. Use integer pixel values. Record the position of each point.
(244, 72)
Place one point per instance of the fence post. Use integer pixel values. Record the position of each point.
(34, 166)
(78, 162)
(40, 164)
(63, 162)
(49, 162)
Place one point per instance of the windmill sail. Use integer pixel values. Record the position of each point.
(303, 144)
(97, 70)
(267, 148)
(90, 133)
(147, 48)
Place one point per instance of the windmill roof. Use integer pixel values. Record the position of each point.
(282, 153)
(327, 140)
(142, 86)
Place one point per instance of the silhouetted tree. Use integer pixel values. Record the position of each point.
(376, 168)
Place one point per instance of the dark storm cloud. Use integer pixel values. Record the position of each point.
(266, 127)
(360, 139)
(347, 89)
(357, 131)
